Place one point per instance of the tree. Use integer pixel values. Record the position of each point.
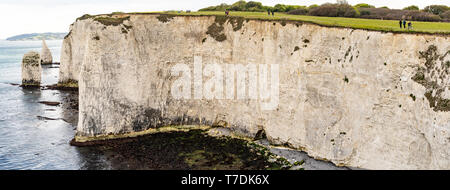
(365, 12)
(352, 12)
(446, 15)
(280, 8)
(293, 7)
(342, 2)
(300, 11)
(411, 8)
(253, 4)
(436, 9)
(335, 10)
(313, 6)
(364, 5)
(220, 7)
(239, 6)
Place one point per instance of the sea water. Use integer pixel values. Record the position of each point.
(27, 141)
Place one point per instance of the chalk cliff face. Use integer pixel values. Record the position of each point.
(357, 98)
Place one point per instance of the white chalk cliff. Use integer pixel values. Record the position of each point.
(31, 69)
(46, 55)
(357, 98)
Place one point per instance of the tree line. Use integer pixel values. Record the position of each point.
(341, 8)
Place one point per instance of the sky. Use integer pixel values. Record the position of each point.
(38, 16)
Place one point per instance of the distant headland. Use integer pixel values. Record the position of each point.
(37, 36)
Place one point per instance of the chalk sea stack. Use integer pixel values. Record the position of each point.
(46, 55)
(31, 69)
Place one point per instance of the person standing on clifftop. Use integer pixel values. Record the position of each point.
(404, 23)
(409, 25)
(400, 22)
(273, 13)
(268, 12)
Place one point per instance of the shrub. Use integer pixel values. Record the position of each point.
(313, 6)
(254, 5)
(365, 12)
(364, 5)
(324, 10)
(446, 16)
(335, 10)
(221, 7)
(422, 16)
(301, 11)
(353, 12)
(342, 2)
(436, 9)
(239, 6)
(396, 14)
(412, 8)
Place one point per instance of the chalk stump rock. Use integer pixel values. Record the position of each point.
(31, 69)
(46, 55)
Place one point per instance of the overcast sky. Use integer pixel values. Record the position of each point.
(30, 16)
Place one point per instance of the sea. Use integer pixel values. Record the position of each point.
(27, 141)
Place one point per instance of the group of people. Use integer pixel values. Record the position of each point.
(403, 24)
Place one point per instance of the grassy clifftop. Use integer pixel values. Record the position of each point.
(355, 23)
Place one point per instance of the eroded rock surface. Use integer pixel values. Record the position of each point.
(31, 69)
(356, 98)
(46, 55)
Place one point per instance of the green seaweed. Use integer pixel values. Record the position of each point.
(299, 163)
(30, 83)
(190, 150)
(70, 83)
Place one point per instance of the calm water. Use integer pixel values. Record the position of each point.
(26, 142)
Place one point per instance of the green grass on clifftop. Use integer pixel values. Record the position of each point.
(356, 23)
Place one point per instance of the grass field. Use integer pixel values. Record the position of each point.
(356, 23)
